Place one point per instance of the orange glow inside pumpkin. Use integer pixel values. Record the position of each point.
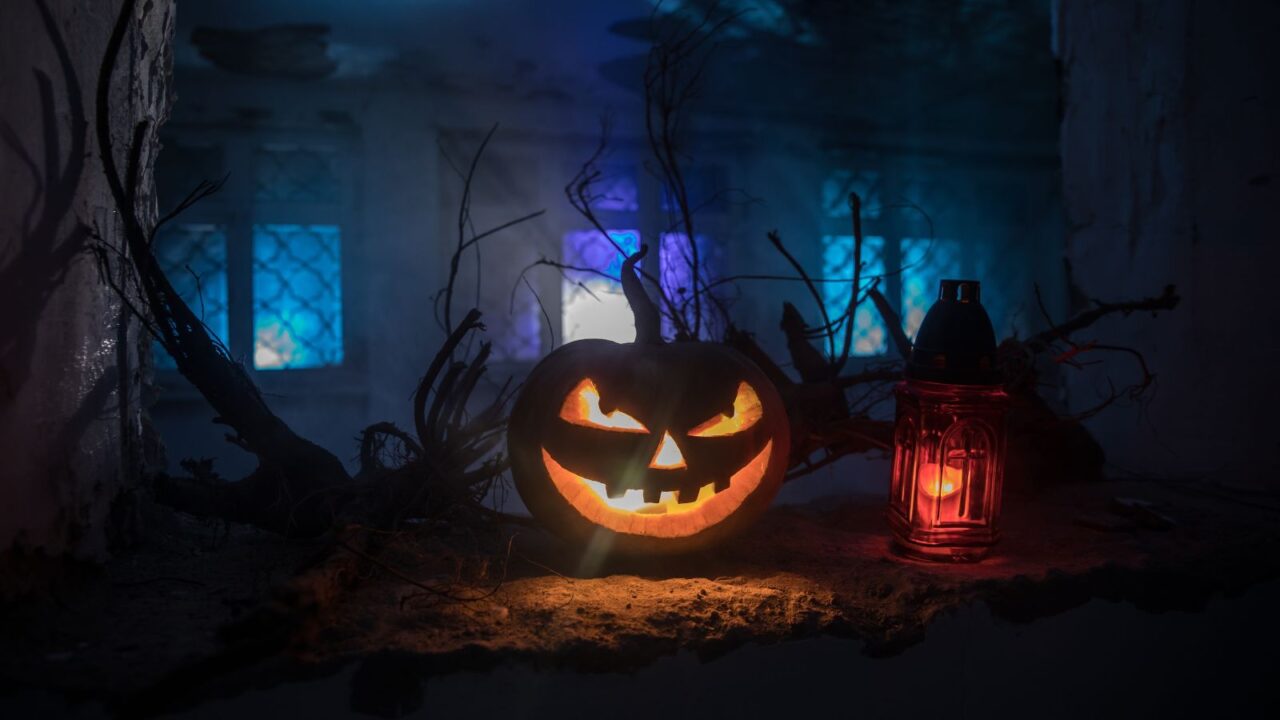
(668, 455)
(665, 518)
(747, 411)
(582, 407)
(668, 517)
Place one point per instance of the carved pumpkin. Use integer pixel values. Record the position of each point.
(647, 447)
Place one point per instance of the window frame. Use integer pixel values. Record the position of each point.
(554, 158)
(712, 220)
(236, 208)
(896, 227)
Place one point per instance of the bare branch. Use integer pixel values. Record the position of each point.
(901, 342)
(1167, 300)
(776, 240)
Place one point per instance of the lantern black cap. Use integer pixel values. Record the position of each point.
(956, 343)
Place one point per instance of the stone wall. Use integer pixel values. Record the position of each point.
(1169, 151)
(71, 424)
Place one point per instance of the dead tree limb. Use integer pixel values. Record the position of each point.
(1168, 299)
(901, 343)
(855, 288)
(580, 191)
(672, 78)
(299, 488)
(293, 472)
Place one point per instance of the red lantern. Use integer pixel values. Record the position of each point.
(949, 438)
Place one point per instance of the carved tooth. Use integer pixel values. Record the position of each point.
(687, 495)
(615, 491)
(652, 494)
(722, 484)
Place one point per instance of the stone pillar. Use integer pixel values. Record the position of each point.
(70, 372)
(1169, 159)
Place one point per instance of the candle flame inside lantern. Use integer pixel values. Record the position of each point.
(939, 481)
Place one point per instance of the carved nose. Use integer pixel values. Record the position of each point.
(668, 456)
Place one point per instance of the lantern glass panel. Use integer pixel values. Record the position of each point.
(904, 447)
(945, 494)
(953, 486)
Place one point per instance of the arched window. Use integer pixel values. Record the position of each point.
(967, 454)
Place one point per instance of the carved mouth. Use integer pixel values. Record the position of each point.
(667, 517)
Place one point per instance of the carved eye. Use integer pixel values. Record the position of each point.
(747, 411)
(582, 407)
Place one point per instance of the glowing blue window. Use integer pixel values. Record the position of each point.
(592, 303)
(924, 263)
(297, 296)
(194, 258)
(869, 336)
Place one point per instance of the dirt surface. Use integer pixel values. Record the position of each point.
(824, 569)
(153, 620)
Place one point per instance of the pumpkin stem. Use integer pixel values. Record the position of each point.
(648, 322)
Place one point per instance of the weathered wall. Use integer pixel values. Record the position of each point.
(70, 418)
(1169, 150)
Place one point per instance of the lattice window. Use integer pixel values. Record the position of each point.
(297, 296)
(919, 203)
(194, 258)
(592, 303)
(270, 288)
(296, 174)
(924, 263)
(869, 336)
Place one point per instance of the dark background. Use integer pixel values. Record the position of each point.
(1091, 150)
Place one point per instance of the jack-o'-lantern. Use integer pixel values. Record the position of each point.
(647, 447)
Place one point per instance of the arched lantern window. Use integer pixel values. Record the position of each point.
(953, 484)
